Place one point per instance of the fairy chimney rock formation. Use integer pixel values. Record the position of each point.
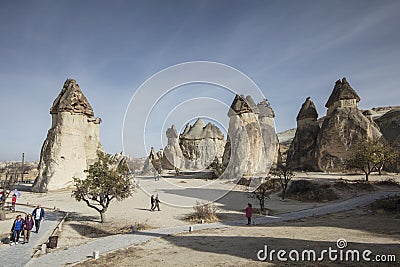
(148, 167)
(343, 126)
(72, 142)
(301, 154)
(251, 146)
(201, 144)
(172, 155)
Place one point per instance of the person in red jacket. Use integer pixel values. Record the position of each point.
(13, 201)
(249, 213)
(28, 225)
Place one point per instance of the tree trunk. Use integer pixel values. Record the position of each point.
(261, 205)
(366, 177)
(2, 215)
(283, 193)
(103, 216)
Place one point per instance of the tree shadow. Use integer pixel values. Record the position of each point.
(89, 231)
(79, 217)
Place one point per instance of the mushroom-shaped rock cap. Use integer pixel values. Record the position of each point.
(242, 104)
(71, 99)
(341, 91)
(171, 132)
(265, 109)
(307, 110)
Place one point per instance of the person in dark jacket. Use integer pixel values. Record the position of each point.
(16, 229)
(38, 215)
(28, 225)
(152, 202)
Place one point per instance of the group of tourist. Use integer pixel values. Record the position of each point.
(26, 225)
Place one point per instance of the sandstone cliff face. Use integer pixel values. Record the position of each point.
(343, 126)
(172, 156)
(251, 146)
(201, 144)
(389, 125)
(301, 154)
(72, 142)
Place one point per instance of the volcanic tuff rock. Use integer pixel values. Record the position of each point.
(389, 125)
(148, 167)
(270, 150)
(72, 142)
(343, 126)
(201, 144)
(301, 154)
(250, 126)
(172, 156)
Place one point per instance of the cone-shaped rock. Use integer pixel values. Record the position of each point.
(72, 142)
(301, 154)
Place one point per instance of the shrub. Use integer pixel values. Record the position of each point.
(305, 190)
(204, 211)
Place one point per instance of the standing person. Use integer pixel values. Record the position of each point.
(16, 229)
(38, 215)
(28, 225)
(249, 213)
(13, 201)
(152, 201)
(157, 200)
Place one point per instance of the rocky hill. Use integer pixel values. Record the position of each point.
(286, 137)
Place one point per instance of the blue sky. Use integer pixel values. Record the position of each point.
(290, 49)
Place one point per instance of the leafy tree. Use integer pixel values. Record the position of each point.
(107, 179)
(369, 156)
(385, 155)
(285, 175)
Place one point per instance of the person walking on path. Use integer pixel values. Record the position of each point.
(13, 202)
(152, 201)
(38, 215)
(28, 225)
(16, 230)
(249, 213)
(157, 203)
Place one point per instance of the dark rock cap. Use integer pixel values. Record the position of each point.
(265, 109)
(307, 110)
(242, 104)
(342, 90)
(71, 99)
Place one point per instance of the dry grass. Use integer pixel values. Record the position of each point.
(203, 211)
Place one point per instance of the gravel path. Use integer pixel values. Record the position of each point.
(20, 255)
(82, 252)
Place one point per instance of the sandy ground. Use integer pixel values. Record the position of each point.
(179, 193)
(238, 246)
